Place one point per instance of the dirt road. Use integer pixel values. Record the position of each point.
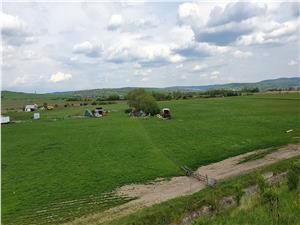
(160, 191)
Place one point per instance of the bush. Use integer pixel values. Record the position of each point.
(213, 200)
(128, 110)
(293, 176)
(271, 198)
(238, 193)
(262, 184)
(113, 97)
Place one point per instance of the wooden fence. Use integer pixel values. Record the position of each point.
(212, 182)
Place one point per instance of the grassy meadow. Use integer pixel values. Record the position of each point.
(61, 166)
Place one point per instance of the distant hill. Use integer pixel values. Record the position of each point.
(103, 91)
(262, 85)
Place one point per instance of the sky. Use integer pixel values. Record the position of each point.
(64, 46)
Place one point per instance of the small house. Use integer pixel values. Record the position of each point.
(31, 108)
(5, 119)
(36, 116)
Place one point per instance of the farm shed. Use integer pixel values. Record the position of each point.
(31, 108)
(5, 119)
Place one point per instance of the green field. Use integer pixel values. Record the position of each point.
(61, 167)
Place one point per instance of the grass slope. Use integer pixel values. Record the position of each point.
(46, 162)
(253, 212)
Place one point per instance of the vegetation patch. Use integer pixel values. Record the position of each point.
(258, 155)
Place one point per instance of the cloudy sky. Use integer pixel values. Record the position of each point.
(50, 47)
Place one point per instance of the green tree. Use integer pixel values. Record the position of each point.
(139, 99)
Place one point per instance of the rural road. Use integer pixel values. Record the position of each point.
(160, 191)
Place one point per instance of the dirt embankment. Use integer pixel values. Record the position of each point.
(160, 191)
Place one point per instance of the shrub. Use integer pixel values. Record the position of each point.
(213, 200)
(238, 193)
(293, 176)
(128, 110)
(262, 184)
(271, 199)
(113, 97)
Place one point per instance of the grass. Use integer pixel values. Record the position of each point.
(257, 155)
(60, 159)
(173, 211)
(253, 212)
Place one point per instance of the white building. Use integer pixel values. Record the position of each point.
(5, 119)
(30, 108)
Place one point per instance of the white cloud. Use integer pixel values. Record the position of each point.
(281, 33)
(118, 22)
(241, 55)
(190, 14)
(204, 49)
(293, 62)
(59, 76)
(214, 75)
(235, 12)
(11, 25)
(20, 80)
(143, 73)
(115, 22)
(183, 77)
(131, 49)
(199, 67)
(145, 78)
(179, 66)
(215, 72)
(88, 49)
(14, 30)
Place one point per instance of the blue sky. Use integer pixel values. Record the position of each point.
(50, 47)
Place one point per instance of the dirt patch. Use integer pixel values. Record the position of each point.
(157, 192)
(231, 167)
